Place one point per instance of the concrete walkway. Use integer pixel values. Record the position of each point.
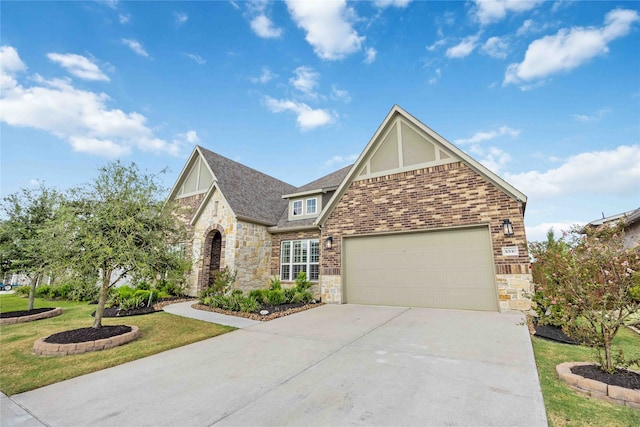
(332, 365)
(184, 309)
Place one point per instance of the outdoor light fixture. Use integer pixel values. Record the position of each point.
(329, 242)
(507, 227)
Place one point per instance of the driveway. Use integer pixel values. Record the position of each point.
(333, 365)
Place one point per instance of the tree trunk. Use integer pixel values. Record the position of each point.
(32, 292)
(102, 300)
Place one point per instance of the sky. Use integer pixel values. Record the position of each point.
(545, 94)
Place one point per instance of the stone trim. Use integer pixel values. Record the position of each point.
(205, 270)
(41, 348)
(45, 315)
(597, 389)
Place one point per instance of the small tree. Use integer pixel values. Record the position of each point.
(596, 280)
(25, 233)
(117, 226)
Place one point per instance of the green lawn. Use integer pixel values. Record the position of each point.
(566, 407)
(22, 370)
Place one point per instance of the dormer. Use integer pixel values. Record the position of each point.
(304, 205)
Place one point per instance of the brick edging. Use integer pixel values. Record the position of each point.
(44, 315)
(41, 348)
(597, 389)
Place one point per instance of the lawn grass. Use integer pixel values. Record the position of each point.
(22, 371)
(566, 407)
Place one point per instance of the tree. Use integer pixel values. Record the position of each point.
(116, 227)
(596, 282)
(25, 233)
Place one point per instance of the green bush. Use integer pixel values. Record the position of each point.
(275, 297)
(142, 285)
(144, 295)
(23, 290)
(63, 291)
(302, 297)
(258, 294)
(249, 304)
(302, 284)
(83, 289)
(275, 284)
(289, 293)
(131, 302)
(44, 291)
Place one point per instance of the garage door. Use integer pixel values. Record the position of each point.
(438, 269)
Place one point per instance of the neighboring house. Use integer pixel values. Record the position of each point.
(631, 225)
(414, 222)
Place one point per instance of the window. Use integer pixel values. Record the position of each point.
(297, 256)
(297, 208)
(311, 206)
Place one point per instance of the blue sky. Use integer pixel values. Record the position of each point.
(546, 94)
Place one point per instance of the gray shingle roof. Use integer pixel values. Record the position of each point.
(251, 194)
(334, 179)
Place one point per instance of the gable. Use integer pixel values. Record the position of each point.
(401, 148)
(401, 144)
(195, 178)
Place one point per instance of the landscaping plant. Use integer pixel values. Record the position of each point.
(595, 282)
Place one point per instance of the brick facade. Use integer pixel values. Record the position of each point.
(449, 195)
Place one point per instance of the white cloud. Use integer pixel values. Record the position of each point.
(305, 80)
(538, 233)
(180, 18)
(492, 157)
(79, 66)
(340, 95)
(435, 76)
(124, 18)
(328, 27)
(265, 77)
(136, 47)
(342, 160)
(80, 117)
(436, 45)
(595, 117)
(191, 137)
(263, 27)
(530, 27)
(496, 47)
(488, 11)
(370, 55)
(568, 49)
(389, 3)
(10, 65)
(197, 58)
(34, 182)
(485, 136)
(464, 48)
(307, 118)
(599, 172)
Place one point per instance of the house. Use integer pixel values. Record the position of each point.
(631, 221)
(415, 221)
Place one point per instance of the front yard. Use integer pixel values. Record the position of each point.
(22, 370)
(566, 407)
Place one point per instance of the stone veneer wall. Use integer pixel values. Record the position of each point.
(431, 198)
(253, 256)
(278, 238)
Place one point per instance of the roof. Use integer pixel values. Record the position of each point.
(395, 112)
(629, 217)
(331, 181)
(251, 194)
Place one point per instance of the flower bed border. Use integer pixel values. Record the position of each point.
(42, 348)
(597, 389)
(30, 318)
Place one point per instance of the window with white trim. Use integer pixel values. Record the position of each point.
(297, 208)
(297, 256)
(312, 206)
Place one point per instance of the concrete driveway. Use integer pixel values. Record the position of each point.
(331, 366)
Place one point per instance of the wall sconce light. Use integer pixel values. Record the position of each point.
(507, 227)
(328, 242)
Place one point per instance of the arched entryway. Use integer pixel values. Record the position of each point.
(213, 255)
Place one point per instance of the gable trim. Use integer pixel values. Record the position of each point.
(186, 169)
(397, 111)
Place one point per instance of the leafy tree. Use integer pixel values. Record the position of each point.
(595, 280)
(25, 245)
(116, 227)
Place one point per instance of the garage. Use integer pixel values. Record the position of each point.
(450, 268)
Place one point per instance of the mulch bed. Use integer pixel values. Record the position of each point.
(620, 378)
(21, 313)
(275, 311)
(117, 312)
(87, 334)
(554, 333)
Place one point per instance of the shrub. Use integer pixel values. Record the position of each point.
(44, 291)
(249, 304)
(275, 297)
(259, 295)
(303, 297)
(302, 284)
(144, 295)
(223, 280)
(275, 284)
(83, 289)
(22, 291)
(289, 293)
(142, 285)
(131, 303)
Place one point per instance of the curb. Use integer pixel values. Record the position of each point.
(42, 348)
(22, 319)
